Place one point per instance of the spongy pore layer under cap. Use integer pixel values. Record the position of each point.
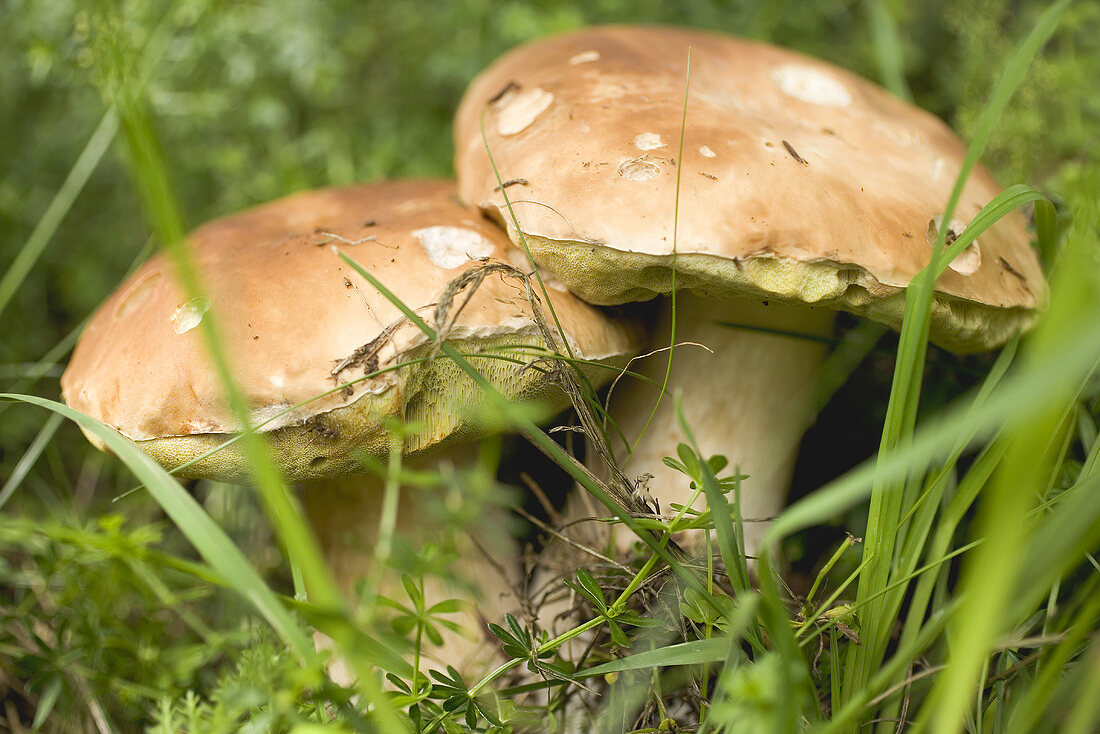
(799, 181)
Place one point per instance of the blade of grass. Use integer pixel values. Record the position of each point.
(1061, 540)
(696, 652)
(992, 571)
(885, 513)
(726, 525)
(1074, 352)
(1030, 708)
(205, 534)
(29, 457)
(888, 48)
(1084, 717)
(672, 264)
(152, 181)
(85, 165)
(846, 717)
(307, 564)
(62, 202)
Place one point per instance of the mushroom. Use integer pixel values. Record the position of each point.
(802, 188)
(307, 334)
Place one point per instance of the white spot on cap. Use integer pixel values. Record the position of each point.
(449, 247)
(706, 152)
(516, 112)
(937, 169)
(895, 134)
(638, 169)
(278, 381)
(648, 141)
(585, 57)
(189, 315)
(810, 85)
(966, 262)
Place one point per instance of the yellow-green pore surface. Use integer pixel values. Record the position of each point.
(326, 362)
(434, 402)
(608, 276)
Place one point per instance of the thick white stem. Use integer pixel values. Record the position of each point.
(345, 514)
(747, 396)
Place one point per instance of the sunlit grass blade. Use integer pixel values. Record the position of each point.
(886, 501)
(696, 652)
(162, 212)
(992, 571)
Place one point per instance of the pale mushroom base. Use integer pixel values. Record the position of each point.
(745, 394)
(346, 513)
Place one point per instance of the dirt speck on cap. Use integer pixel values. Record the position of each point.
(639, 169)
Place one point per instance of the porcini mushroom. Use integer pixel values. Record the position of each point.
(803, 188)
(307, 334)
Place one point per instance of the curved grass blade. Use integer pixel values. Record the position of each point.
(884, 518)
(205, 534)
(59, 206)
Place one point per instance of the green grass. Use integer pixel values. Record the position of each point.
(972, 603)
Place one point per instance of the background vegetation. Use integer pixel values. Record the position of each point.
(252, 101)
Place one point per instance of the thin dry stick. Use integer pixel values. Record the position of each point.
(544, 501)
(565, 539)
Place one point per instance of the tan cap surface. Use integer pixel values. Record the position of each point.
(800, 180)
(294, 318)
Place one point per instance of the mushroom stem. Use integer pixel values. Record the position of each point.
(748, 395)
(346, 515)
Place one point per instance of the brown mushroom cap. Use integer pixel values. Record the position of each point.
(294, 317)
(800, 181)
